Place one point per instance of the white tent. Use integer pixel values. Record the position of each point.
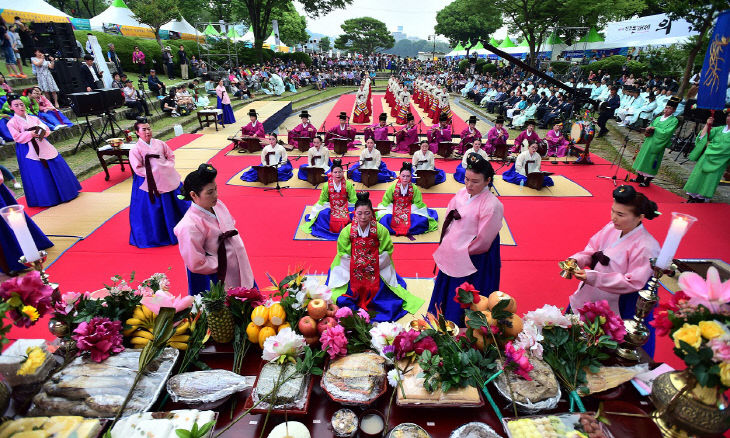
(180, 27)
(247, 37)
(117, 13)
(31, 10)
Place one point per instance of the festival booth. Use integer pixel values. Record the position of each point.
(31, 11)
(457, 52)
(121, 19)
(247, 38)
(183, 28)
(211, 32)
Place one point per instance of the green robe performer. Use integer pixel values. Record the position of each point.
(712, 153)
(658, 137)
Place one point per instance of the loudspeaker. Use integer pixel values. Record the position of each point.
(57, 39)
(87, 103)
(67, 73)
(112, 97)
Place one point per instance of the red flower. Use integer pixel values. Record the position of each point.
(404, 343)
(101, 337)
(252, 295)
(661, 322)
(426, 343)
(466, 295)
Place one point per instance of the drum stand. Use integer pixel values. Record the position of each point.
(617, 161)
(278, 188)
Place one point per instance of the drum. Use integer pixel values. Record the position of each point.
(582, 132)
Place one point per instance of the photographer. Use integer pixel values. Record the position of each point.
(43, 64)
(169, 104)
(155, 85)
(133, 100)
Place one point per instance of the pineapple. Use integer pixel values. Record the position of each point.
(220, 318)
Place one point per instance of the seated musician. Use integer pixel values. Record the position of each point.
(439, 133)
(469, 134)
(528, 134)
(317, 156)
(273, 154)
(496, 135)
(402, 210)
(332, 211)
(461, 168)
(423, 159)
(362, 274)
(526, 163)
(343, 130)
(370, 159)
(406, 136)
(378, 131)
(254, 127)
(557, 145)
(304, 129)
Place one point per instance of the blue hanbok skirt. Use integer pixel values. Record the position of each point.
(9, 244)
(285, 172)
(52, 121)
(321, 225)
(387, 305)
(227, 117)
(419, 224)
(459, 173)
(151, 224)
(4, 131)
(199, 283)
(485, 280)
(384, 175)
(511, 176)
(302, 172)
(46, 187)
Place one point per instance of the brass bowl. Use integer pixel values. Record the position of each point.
(420, 325)
(116, 143)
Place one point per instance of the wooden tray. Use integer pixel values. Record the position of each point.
(303, 411)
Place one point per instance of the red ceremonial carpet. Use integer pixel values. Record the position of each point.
(546, 230)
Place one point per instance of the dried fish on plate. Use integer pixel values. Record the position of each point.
(291, 390)
(356, 378)
(207, 389)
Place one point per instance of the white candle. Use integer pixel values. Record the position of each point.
(372, 424)
(14, 216)
(680, 224)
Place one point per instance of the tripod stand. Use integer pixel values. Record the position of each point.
(110, 122)
(96, 137)
(144, 97)
(278, 188)
(619, 158)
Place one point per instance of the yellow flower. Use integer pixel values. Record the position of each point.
(36, 357)
(688, 333)
(725, 373)
(31, 312)
(711, 329)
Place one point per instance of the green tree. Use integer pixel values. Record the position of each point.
(700, 15)
(535, 19)
(292, 26)
(155, 14)
(364, 35)
(325, 44)
(259, 14)
(467, 20)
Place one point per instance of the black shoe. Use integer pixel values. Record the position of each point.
(638, 179)
(646, 182)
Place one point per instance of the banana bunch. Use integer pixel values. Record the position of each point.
(142, 323)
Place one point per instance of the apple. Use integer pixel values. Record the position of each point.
(332, 308)
(326, 323)
(317, 309)
(311, 340)
(497, 296)
(307, 326)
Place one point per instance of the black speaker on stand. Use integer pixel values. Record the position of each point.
(112, 99)
(85, 104)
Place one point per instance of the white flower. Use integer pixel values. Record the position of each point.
(394, 377)
(285, 343)
(315, 290)
(548, 315)
(529, 339)
(383, 333)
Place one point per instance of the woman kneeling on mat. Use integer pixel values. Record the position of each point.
(423, 159)
(526, 163)
(273, 154)
(210, 245)
(317, 156)
(155, 208)
(370, 159)
(615, 264)
(47, 179)
(403, 211)
(362, 275)
(332, 212)
(475, 149)
(469, 248)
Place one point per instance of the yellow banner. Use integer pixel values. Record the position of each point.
(142, 32)
(10, 14)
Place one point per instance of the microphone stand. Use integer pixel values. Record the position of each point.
(278, 188)
(619, 158)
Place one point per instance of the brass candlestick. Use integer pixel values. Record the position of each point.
(637, 332)
(38, 266)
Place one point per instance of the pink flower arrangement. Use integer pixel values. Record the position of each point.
(343, 312)
(253, 295)
(362, 313)
(334, 340)
(28, 290)
(517, 361)
(424, 344)
(720, 349)
(610, 323)
(466, 295)
(163, 298)
(661, 321)
(404, 343)
(97, 294)
(67, 303)
(100, 337)
(711, 293)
